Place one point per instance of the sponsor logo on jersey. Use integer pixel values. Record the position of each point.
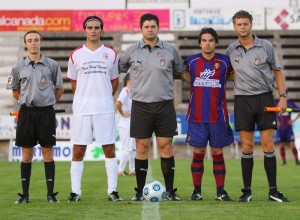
(205, 81)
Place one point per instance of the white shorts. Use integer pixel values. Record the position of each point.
(127, 143)
(85, 128)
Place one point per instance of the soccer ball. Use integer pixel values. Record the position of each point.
(154, 191)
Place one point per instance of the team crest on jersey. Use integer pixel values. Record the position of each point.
(9, 80)
(163, 63)
(257, 61)
(217, 65)
(43, 80)
(105, 56)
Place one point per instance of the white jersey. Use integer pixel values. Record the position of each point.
(93, 72)
(126, 101)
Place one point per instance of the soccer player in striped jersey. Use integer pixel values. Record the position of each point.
(207, 112)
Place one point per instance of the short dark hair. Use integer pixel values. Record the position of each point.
(92, 18)
(31, 32)
(242, 14)
(126, 78)
(148, 17)
(208, 30)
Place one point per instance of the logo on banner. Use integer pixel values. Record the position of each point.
(178, 19)
(280, 19)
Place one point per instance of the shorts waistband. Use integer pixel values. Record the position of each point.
(26, 108)
(262, 94)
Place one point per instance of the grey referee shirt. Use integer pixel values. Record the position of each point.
(151, 70)
(253, 68)
(36, 81)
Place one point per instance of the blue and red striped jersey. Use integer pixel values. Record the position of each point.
(207, 89)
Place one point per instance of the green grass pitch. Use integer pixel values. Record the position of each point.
(94, 204)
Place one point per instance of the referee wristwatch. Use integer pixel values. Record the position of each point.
(283, 95)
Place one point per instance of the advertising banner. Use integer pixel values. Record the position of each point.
(68, 20)
(62, 152)
(36, 20)
(283, 18)
(121, 20)
(217, 18)
(63, 148)
(7, 127)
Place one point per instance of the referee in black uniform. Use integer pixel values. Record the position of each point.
(37, 85)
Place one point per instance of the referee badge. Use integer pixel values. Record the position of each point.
(43, 80)
(257, 61)
(163, 63)
(9, 80)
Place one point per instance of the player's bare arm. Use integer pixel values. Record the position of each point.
(73, 86)
(16, 93)
(280, 82)
(58, 93)
(115, 85)
(186, 77)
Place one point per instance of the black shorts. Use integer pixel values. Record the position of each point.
(249, 112)
(158, 117)
(36, 125)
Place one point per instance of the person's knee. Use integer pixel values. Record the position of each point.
(268, 147)
(141, 149)
(216, 151)
(247, 147)
(78, 153)
(47, 154)
(166, 151)
(109, 151)
(199, 150)
(26, 159)
(27, 155)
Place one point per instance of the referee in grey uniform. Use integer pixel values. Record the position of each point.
(152, 63)
(256, 69)
(37, 85)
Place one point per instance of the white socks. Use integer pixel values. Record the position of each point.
(124, 157)
(132, 161)
(111, 166)
(76, 175)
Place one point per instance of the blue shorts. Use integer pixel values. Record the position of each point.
(218, 135)
(285, 135)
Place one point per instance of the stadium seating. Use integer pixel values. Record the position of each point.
(11, 50)
(60, 45)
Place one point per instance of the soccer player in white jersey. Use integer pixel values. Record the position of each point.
(94, 75)
(128, 146)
